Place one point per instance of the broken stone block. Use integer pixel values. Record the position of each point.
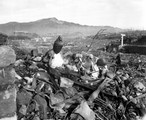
(7, 56)
(8, 102)
(7, 76)
(7, 87)
(23, 97)
(10, 118)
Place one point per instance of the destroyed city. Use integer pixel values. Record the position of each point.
(53, 69)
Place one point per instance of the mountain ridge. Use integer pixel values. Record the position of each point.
(53, 25)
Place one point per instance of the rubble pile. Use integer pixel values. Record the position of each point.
(79, 86)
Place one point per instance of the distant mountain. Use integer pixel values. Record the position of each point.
(53, 26)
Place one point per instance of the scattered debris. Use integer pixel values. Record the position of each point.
(79, 87)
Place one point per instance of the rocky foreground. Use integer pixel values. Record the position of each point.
(72, 86)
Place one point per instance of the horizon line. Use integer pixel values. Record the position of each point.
(131, 28)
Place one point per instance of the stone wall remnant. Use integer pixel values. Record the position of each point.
(7, 86)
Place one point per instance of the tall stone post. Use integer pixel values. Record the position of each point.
(122, 39)
(7, 87)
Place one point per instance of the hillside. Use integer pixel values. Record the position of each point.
(51, 26)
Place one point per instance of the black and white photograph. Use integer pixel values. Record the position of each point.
(72, 60)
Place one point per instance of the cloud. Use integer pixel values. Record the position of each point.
(128, 12)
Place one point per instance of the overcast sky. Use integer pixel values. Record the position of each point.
(118, 13)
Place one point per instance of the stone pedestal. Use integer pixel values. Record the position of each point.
(7, 87)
